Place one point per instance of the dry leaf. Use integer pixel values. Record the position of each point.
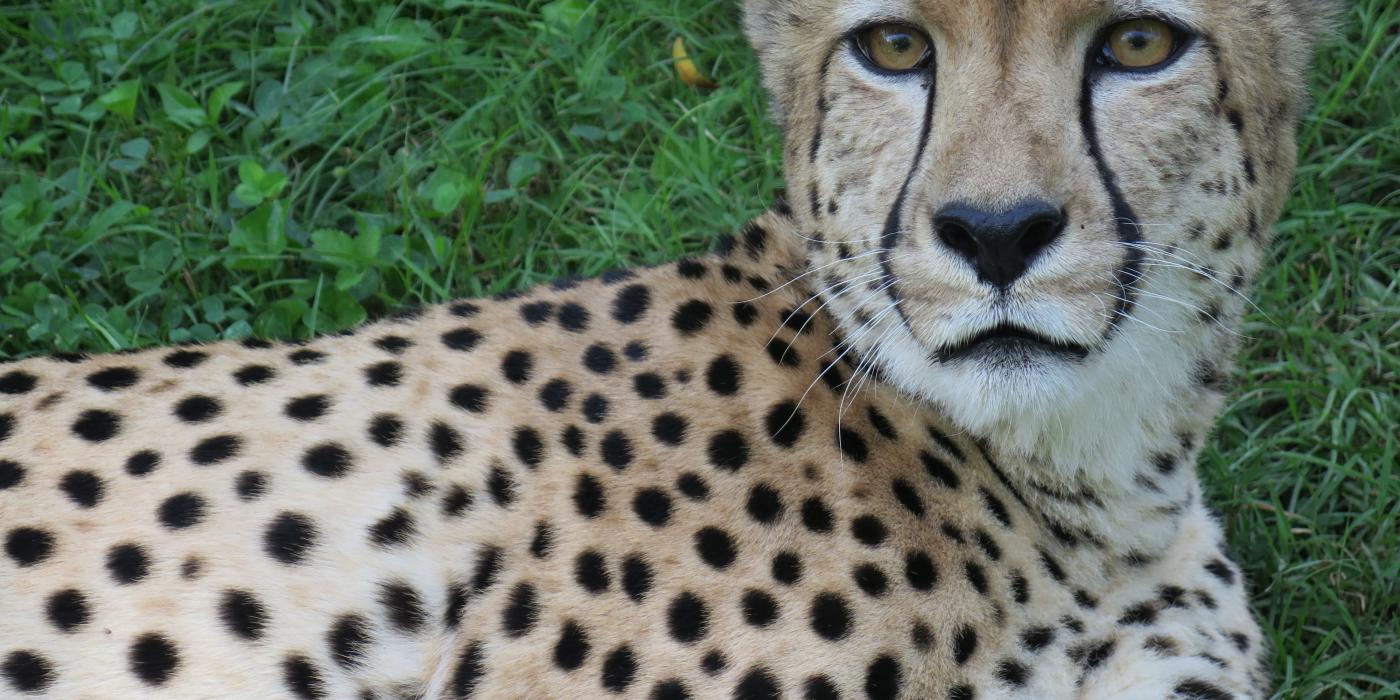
(690, 74)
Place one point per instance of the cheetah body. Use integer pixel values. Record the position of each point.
(744, 475)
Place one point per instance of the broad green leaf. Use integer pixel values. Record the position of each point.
(121, 100)
(219, 98)
(522, 169)
(125, 24)
(136, 148)
(181, 107)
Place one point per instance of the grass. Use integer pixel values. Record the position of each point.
(179, 171)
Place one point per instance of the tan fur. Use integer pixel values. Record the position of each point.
(1031, 531)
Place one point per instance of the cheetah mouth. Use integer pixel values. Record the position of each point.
(1008, 339)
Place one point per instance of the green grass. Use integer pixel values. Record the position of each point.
(175, 171)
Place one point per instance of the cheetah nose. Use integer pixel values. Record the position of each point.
(1000, 245)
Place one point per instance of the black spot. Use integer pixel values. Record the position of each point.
(765, 504)
(939, 470)
(869, 531)
(672, 689)
(669, 428)
(306, 357)
(964, 644)
(308, 408)
(469, 397)
(616, 450)
(1051, 566)
(463, 339)
(82, 487)
(403, 606)
(96, 425)
(816, 516)
(7, 426)
(153, 658)
(728, 450)
(653, 506)
(1196, 689)
(820, 688)
(250, 485)
(635, 350)
(713, 662)
(649, 385)
(127, 563)
(691, 268)
(573, 318)
(636, 577)
(692, 317)
(67, 609)
(501, 487)
(908, 497)
(214, 450)
(114, 378)
(595, 408)
(631, 303)
(198, 409)
(470, 669)
(830, 616)
(882, 678)
(329, 460)
(715, 547)
(517, 366)
(254, 374)
(591, 571)
(537, 312)
(760, 609)
(988, 545)
(693, 486)
(723, 376)
(1219, 569)
(852, 444)
(975, 576)
(384, 374)
(573, 439)
(787, 568)
(785, 423)
(571, 651)
(521, 611)
(757, 684)
(782, 353)
(183, 510)
(288, 537)
(745, 313)
(688, 618)
(488, 565)
(445, 442)
(243, 614)
(302, 678)
(599, 359)
(920, 571)
(962, 692)
(456, 500)
(11, 474)
(871, 580)
(1037, 638)
(528, 446)
(618, 669)
(347, 639)
(27, 671)
(185, 359)
(589, 498)
(555, 394)
(1012, 673)
(396, 528)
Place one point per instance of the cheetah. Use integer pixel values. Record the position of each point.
(924, 429)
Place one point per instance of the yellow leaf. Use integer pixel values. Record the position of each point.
(690, 75)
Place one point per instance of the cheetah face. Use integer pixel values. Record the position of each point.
(1037, 215)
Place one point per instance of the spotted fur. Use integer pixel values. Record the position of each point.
(753, 474)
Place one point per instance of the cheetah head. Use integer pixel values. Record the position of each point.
(1040, 215)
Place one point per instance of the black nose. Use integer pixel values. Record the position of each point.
(999, 245)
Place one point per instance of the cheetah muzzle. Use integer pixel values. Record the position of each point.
(925, 429)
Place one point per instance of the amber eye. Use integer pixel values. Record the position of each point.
(894, 47)
(1139, 43)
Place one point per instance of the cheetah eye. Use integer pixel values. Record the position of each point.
(895, 48)
(1138, 44)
